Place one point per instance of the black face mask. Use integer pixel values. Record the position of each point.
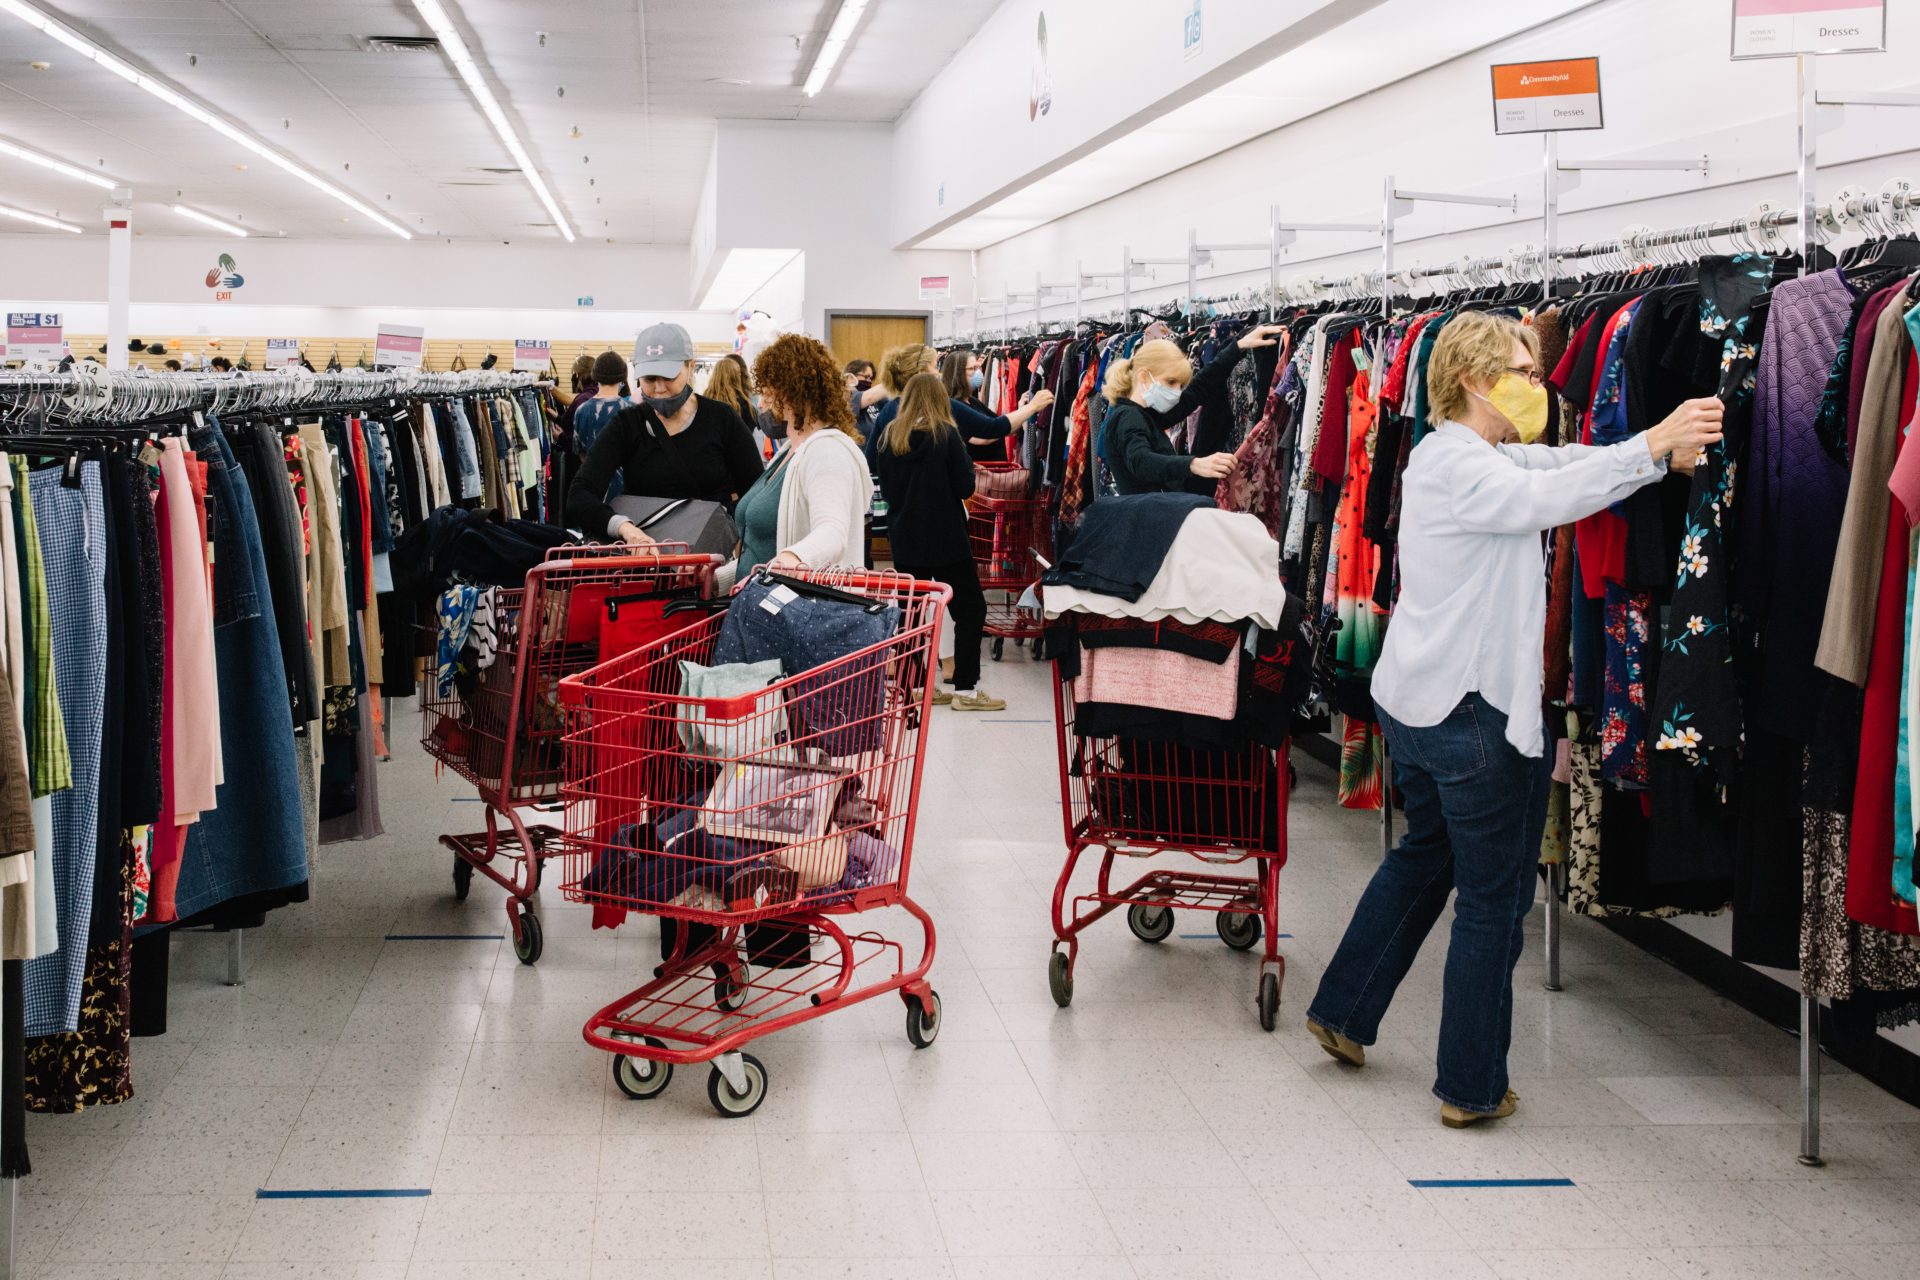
(667, 406)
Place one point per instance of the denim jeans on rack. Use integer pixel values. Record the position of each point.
(1475, 809)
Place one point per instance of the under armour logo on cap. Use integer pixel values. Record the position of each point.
(656, 351)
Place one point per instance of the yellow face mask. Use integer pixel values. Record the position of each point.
(1521, 403)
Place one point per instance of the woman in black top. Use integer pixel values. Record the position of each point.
(963, 374)
(1154, 390)
(673, 444)
(926, 477)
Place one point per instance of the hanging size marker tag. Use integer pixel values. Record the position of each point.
(70, 473)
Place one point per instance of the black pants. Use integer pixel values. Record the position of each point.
(969, 612)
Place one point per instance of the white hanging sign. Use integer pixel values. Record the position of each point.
(35, 337)
(933, 288)
(532, 355)
(1782, 28)
(282, 352)
(400, 346)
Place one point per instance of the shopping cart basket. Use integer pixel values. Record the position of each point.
(1127, 797)
(498, 725)
(779, 811)
(1010, 537)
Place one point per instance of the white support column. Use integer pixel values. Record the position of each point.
(119, 219)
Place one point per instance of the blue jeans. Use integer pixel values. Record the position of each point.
(1475, 809)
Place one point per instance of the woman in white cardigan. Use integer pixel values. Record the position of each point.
(809, 508)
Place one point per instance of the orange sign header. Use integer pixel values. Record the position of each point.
(1546, 79)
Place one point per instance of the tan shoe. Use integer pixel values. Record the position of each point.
(942, 695)
(1459, 1118)
(1351, 1052)
(977, 700)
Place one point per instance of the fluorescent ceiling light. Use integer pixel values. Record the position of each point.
(209, 220)
(58, 166)
(838, 36)
(188, 107)
(744, 273)
(38, 219)
(456, 51)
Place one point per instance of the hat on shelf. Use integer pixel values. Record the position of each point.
(134, 344)
(156, 348)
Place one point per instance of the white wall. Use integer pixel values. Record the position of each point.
(311, 273)
(822, 189)
(971, 134)
(784, 296)
(1676, 96)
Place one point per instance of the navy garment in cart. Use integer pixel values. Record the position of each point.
(1119, 544)
(838, 710)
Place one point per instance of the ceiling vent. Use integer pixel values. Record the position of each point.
(401, 44)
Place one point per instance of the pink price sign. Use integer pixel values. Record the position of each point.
(1783, 28)
(35, 336)
(400, 346)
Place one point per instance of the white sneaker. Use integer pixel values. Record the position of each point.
(978, 700)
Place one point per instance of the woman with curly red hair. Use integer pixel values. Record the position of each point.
(809, 509)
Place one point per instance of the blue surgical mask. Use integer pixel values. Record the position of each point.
(976, 379)
(1160, 397)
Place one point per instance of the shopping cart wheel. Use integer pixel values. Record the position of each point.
(642, 1078)
(1150, 924)
(1060, 979)
(1238, 929)
(735, 1105)
(1269, 1000)
(462, 878)
(923, 1024)
(526, 936)
(999, 647)
(729, 987)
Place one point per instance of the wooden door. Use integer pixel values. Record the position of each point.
(854, 337)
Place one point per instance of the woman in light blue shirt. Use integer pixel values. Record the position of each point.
(1458, 692)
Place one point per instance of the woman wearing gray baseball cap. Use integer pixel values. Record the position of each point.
(670, 444)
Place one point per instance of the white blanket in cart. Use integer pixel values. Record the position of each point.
(1223, 566)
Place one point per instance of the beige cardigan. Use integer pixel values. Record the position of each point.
(824, 503)
(1846, 632)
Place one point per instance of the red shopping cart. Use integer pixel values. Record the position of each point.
(1127, 797)
(1010, 536)
(494, 718)
(782, 811)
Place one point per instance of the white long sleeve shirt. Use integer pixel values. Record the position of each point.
(1472, 613)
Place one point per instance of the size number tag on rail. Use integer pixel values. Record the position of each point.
(1547, 97)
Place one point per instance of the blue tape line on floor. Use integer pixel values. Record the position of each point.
(445, 937)
(466, 799)
(371, 1194)
(1488, 1182)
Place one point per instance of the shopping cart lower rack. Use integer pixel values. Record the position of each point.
(1009, 536)
(492, 714)
(757, 822)
(1127, 797)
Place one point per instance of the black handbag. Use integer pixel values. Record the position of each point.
(704, 526)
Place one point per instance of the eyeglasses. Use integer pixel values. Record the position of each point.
(1530, 374)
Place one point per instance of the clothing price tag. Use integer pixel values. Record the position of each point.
(1547, 97)
(282, 352)
(778, 599)
(400, 346)
(35, 337)
(1782, 28)
(531, 355)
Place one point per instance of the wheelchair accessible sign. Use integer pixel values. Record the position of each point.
(1547, 97)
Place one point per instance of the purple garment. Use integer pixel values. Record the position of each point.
(1793, 496)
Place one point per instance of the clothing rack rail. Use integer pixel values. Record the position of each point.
(123, 395)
